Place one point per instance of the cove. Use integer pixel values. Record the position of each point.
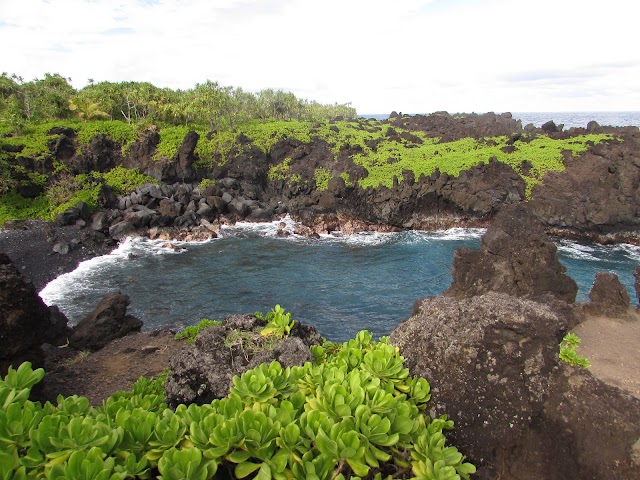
(340, 284)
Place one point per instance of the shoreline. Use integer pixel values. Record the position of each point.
(30, 248)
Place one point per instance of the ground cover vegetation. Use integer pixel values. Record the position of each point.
(355, 412)
(34, 115)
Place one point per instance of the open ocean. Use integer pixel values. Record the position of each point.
(340, 284)
(569, 119)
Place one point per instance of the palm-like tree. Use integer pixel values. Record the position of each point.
(86, 110)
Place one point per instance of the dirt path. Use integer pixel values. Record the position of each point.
(613, 347)
(113, 368)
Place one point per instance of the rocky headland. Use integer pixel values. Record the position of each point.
(335, 178)
(488, 346)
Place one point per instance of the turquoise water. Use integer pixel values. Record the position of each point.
(340, 284)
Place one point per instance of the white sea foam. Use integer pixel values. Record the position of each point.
(574, 249)
(274, 230)
(596, 252)
(80, 279)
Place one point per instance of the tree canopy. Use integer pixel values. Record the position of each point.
(207, 104)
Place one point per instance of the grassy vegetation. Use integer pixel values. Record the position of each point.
(322, 176)
(543, 152)
(67, 191)
(383, 151)
(170, 140)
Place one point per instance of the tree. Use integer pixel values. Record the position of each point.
(86, 110)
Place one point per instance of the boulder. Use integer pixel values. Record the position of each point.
(551, 127)
(25, 321)
(139, 216)
(488, 360)
(515, 257)
(100, 221)
(169, 208)
(608, 296)
(70, 216)
(62, 247)
(121, 230)
(203, 371)
(239, 208)
(108, 321)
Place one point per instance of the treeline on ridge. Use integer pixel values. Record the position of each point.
(207, 104)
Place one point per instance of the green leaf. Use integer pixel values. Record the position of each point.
(238, 456)
(246, 468)
(358, 468)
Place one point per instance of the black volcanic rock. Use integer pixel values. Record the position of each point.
(607, 295)
(25, 321)
(203, 371)
(488, 359)
(515, 257)
(108, 321)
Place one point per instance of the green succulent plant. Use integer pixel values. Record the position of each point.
(278, 322)
(355, 412)
(186, 464)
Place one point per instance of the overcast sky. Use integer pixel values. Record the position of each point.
(413, 56)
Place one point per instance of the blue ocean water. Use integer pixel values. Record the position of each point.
(340, 284)
(569, 119)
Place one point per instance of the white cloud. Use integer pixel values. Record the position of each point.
(409, 55)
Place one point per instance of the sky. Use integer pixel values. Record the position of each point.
(411, 56)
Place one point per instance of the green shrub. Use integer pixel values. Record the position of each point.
(124, 180)
(279, 323)
(568, 351)
(120, 132)
(14, 206)
(171, 139)
(322, 176)
(191, 332)
(355, 413)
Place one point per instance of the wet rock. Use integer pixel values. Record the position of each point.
(608, 296)
(488, 359)
(239, 208)
(185, 221)
(108, 321)
(25, 321)
(636, 274)
(515, 257)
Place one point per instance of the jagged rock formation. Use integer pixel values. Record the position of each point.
(608, 296)
(596, 197)
(25, 321)
(515, 257)
(488, 359)
(491, 358)
(108, 321)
